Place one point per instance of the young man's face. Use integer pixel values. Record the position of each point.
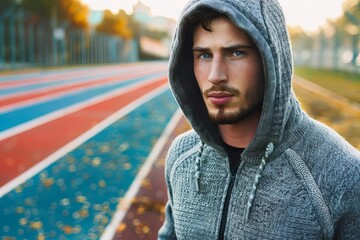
(229, 71)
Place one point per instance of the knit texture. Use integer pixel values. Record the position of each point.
(298, 178)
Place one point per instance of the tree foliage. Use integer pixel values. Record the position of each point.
(72, 11)
(296, 32)
(347, 24)
(116, 24)
(75, 12)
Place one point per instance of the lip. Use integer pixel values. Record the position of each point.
(219, 98)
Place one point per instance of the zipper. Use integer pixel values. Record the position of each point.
(233, 155)
(226, 206)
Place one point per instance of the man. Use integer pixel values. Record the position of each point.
(255, 166)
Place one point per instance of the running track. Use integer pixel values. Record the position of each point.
(72, 146)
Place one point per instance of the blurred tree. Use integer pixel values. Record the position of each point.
(75, 12)
(351, 5)
(117, 24)
(300, 38)
(348, 22)
(60, 10)
(135, 26)
(296, 32)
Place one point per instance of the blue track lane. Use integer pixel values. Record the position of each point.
(17, 116)
(75, 197)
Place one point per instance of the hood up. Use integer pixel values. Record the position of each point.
(264, 22)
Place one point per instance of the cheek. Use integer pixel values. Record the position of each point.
(247, 77)
(200, 72)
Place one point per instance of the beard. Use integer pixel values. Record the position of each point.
(228, 114)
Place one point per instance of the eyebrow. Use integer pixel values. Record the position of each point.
(229, 48)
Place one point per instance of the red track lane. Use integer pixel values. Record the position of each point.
(17, 99)
(21, 152)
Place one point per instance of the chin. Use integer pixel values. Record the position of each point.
(231, 117)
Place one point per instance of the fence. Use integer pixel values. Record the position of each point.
(27, 42)
(332, 47)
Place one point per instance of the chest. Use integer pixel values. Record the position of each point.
(281, 208)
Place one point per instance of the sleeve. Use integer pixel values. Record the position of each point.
(348, 202)
(167, 231)
(179, 146)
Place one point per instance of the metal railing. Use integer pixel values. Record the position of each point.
(335, 47)
(27, 42)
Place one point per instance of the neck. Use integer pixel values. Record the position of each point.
(242, 133)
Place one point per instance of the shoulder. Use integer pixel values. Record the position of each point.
(324, 149)
(182, 144)
(322, 141)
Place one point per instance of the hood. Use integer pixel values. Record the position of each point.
(281, 122)
(264, 22)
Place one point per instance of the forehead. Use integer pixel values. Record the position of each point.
(223, 31)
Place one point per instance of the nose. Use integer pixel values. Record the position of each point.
(217, 74)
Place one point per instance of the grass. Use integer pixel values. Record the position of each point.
(343, 83)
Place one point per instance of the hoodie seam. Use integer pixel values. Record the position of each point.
(263, 18)
(314, 192)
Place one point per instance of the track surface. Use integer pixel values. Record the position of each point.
(75, 146)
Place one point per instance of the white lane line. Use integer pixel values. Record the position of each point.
(79, 140)
(125, 203)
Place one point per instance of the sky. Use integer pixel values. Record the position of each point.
(309, 14)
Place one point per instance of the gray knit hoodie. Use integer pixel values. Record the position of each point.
(297, 179)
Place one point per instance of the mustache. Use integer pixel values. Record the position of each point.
(222, 88)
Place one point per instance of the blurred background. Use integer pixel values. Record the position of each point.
(101, 60)
(69, 32)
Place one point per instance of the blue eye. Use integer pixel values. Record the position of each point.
(205, 56)
(238, 53)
